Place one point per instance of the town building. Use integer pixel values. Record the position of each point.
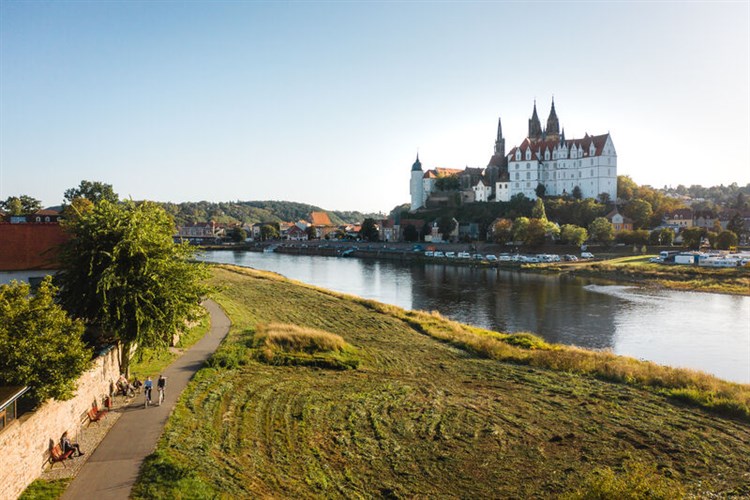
(586, 166)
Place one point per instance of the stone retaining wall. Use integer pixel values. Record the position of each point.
(25, 443)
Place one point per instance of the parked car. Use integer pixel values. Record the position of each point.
(429, 253)
(587, 255)
(656, 260)
(570, 258)
(477, 256)
(438, 254)
(450, 255)
(463, 255)
(491, 257)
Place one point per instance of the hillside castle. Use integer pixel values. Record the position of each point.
(545, 157)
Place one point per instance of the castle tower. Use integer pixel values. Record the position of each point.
(535, 127)
(553, 124)
(416, 186)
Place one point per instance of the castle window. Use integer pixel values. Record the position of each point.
(528, 175)
(518, 176)
(592, 172)
(528, 166)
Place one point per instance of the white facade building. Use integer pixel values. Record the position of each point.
(545, 157)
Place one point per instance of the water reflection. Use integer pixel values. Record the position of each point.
(708, 332)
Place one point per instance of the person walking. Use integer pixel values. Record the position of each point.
(161, 385)
(147, 386)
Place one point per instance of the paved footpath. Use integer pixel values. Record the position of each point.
(113, 467)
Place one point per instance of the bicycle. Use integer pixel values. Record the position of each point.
(161, 395)
(147, 393)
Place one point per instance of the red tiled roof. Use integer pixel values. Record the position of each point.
(538, 148)
(30, 246)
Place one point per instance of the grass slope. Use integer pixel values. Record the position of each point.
(419, 417)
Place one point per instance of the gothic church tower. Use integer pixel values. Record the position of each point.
(535, 127)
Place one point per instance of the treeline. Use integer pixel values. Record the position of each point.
(714, 197)
(250, 212)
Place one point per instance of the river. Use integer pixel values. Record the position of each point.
(702, 331)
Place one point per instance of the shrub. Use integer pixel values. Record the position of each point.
(285, 344)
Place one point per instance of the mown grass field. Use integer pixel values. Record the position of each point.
(419, 417)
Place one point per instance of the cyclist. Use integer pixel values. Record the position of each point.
(161, 384)
(147, 386)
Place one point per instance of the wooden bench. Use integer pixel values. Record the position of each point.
(56, 455)
(95, 414)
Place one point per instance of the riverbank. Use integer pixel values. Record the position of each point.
(434, 408)
(616, 264)
(732, 281)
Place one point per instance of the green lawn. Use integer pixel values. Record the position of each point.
(426, 413)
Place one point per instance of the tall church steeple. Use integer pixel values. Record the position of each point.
(535, 127)
(553, 124)
(500, 141)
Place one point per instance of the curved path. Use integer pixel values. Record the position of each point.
(113, 467)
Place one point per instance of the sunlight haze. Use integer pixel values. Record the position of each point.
(328, 103)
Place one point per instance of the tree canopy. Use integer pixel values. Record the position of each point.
(369, 230)
(122, 274)
(601, 230)
(94, 191)
(40, 346)
(21, 205)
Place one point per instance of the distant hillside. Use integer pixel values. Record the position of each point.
(250, 212)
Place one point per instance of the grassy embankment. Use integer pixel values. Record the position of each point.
(433, 408)
(638, 269)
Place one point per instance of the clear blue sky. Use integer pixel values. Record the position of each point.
(328, 102)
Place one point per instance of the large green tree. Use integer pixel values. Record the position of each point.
(640, 211)
(124, 276)
(573, 235)
(725, 240)
(94, 191)
(40, 345)
(369, 230)
(601, 230)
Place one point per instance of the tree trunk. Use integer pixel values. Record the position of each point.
(125, 353)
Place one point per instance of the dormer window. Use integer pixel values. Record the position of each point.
(518, 155)
(546, 154)
(528, 154)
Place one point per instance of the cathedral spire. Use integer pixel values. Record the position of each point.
(500, 141)
(553, 124)
(535, 127)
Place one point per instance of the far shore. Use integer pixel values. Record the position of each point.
(615, 263)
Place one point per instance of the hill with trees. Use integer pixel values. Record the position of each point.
(250, 212)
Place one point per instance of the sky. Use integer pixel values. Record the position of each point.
(328, 103)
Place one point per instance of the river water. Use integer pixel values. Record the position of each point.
(708, 332)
